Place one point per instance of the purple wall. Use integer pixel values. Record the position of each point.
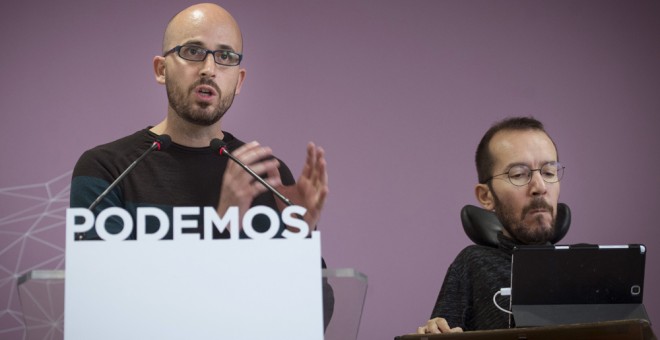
(398, 93)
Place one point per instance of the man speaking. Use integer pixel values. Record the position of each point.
(200, 66)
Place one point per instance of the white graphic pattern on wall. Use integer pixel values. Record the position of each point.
(32, 225)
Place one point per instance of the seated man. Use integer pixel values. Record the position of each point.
(508, 158)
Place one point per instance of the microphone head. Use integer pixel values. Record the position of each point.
(163, 142)
(217, 145)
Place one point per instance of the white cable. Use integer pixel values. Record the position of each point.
(504, 292)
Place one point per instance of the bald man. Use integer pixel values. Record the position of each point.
(200, 68)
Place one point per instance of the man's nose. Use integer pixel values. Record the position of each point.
(537, 185)
(208, 66)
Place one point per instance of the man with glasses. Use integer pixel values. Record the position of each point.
(519, 174)
(200, 68)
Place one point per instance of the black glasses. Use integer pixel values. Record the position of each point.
(520, 175)
(196, 53)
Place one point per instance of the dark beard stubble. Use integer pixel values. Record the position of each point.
(514, 225)
(184, 107)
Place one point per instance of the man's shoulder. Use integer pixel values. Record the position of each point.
(113, 153)
(476, 249)
(134, 140)
(476, 254)
(481, 263)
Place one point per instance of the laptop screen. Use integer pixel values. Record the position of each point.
(578, 283)
(580, 274)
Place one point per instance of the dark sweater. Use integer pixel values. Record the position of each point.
(177, 176)
(466, 297)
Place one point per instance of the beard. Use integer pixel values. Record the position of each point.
(183, 107)
(526, 234)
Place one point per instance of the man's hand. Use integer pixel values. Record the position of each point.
(239, 188)
(438, 325)
(311, 188)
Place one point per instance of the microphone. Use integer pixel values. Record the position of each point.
(219, 146)
(162, 142)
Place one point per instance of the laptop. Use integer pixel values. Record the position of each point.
(554, 285)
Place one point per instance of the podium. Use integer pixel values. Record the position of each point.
(41, 294)
(608, 330)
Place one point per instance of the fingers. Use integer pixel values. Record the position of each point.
(252, 153)
(315, 167)
(273, 175)
(436, 326)
(310, 162)
(320, 178)
(239, 187)
(258, 158)
(321, 172)
(313, 183)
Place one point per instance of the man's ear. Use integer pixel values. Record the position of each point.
(485, 196)
(159, 69)
(241, 78)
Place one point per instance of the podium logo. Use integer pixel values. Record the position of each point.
(81, 220)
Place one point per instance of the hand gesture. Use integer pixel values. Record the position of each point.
(239, 188)
(311, 188)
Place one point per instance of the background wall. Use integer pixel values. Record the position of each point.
(398, 93)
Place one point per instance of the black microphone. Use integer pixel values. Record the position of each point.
(219, 146)
(162, 142)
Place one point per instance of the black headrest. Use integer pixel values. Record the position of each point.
(482, 226)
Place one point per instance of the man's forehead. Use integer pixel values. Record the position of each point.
(211, 27)
(521, 147)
